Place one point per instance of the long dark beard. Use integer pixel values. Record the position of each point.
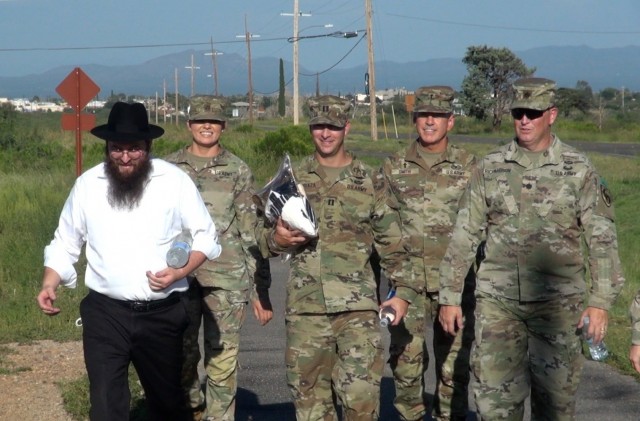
(126, 191)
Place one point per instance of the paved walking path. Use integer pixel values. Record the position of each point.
(263, 395)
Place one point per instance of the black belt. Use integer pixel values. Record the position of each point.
(143, 306)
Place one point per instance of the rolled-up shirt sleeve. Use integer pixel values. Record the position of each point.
(65, 248)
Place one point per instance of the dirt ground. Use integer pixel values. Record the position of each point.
(30, 391)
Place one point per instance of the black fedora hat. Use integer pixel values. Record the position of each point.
(127, 122)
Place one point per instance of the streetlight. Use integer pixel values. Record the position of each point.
(294, 40)
(298, 37)
(296, 70)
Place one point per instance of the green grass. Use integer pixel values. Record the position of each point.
(37, 170)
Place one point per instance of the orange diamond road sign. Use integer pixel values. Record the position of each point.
(86, 121)
(77, 89)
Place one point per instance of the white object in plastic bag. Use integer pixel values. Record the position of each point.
(283, 197)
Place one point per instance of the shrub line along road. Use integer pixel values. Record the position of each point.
(620, 149)
(614, 149)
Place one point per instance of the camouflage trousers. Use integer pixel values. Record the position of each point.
(409, 360)
(222, 313)
(527, 347)
(343, 350)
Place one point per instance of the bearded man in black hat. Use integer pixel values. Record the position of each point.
(126, 211)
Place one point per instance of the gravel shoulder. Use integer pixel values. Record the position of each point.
(30, 391)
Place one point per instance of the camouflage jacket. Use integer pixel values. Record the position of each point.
(332, 272)
(535, 218)
(226, 185)
(429, 200)
(635, 320)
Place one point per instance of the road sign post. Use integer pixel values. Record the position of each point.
(78, 89)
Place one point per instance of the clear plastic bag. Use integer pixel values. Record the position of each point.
(283, 197)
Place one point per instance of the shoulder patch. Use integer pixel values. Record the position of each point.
(605, 193)
(604, 201)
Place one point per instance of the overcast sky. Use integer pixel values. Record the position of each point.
(37, 35)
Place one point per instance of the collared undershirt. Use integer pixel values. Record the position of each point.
(533, 156)
(431, 158)
(200, 161)
(333, 173)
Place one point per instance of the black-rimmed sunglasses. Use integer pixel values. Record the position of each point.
(518, 113)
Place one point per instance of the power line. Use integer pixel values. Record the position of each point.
(323, 71)
(113, 47)
(339, 61)
(511, 28)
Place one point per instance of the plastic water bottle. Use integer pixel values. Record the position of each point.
(387, 316)
(178, 254)
(599, 351)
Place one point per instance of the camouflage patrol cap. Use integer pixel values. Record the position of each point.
(534, 93)
(434, 99)
(329, 109)
(206, 107)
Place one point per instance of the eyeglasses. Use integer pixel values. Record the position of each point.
(518, 113)
(134, 153)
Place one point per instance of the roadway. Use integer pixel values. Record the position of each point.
(263, 395)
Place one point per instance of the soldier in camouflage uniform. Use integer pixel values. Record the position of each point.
(537, 201)
(428, 178)
(220, 289)
(333, 337)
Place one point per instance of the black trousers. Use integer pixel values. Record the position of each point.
(116, 333)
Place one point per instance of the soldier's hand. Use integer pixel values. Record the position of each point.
(286, 237)
(598, 323)
(262, 310)
(400, 306)
(450, 318)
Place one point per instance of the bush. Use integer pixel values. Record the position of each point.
(294, 140)
(245, 128)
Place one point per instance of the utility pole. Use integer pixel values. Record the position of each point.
(164, 99)
(247, 36)
(193, 68)
(296, 57)
(177, 109)
(372, 73)
(213, 55)
(296, 68)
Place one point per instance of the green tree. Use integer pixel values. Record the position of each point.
(486, 90)
(608, 94)
(267, 101)
(281, 101)
(580, 98)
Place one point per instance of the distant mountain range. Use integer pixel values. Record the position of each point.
(601, 68)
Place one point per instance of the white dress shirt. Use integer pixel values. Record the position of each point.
(122, 245)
